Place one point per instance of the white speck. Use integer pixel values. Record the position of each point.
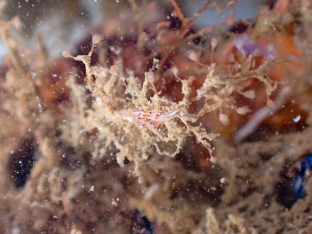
(91, 188)
(16, 230)
(40, 108)
(222, 180)
(114, 203)
(297, 118)
(150, 191)
(130, 119)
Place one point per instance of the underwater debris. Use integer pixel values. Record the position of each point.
(301, 172)
(21, 162)
(247, 46)
(142, 224)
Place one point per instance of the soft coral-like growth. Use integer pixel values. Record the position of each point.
(123, 104)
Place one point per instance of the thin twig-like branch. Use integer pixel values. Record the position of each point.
(179, 11)
(191, 21)
(186, 24)
(135, 8)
